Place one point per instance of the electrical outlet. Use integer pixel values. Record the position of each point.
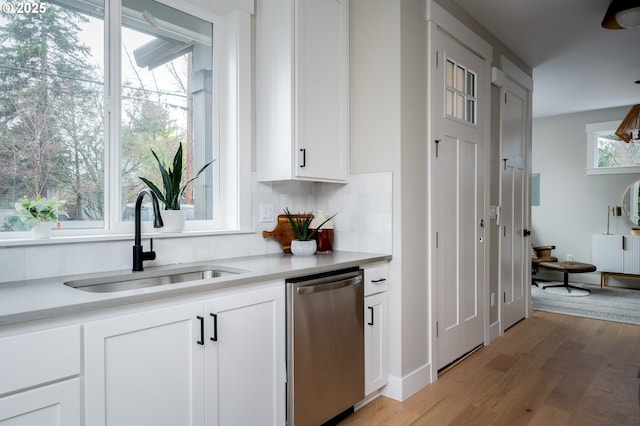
(267, 213)
(569, 257)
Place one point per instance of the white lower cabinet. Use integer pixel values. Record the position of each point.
(375, 337)
(376, 328)
(39, 378)
(216, 362)
(52, 405)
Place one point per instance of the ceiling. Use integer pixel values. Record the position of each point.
(577, 65)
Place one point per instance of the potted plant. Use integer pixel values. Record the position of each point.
(172, 190)
(304, 244)
(39, 214)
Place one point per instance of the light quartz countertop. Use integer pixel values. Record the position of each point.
(25, 301)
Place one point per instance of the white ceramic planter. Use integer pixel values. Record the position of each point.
(173, 221)
(303, 248)
(42, 231)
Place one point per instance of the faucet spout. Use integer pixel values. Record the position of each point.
(139, 255)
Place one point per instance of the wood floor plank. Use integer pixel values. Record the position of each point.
(549, 369)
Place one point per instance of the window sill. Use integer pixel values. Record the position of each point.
(73, 239)
(613, 170)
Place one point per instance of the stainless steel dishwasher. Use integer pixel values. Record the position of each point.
(325, 346)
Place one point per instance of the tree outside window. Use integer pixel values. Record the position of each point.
(52, 105)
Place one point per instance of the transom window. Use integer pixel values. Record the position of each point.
(460, 92)
(608, 154)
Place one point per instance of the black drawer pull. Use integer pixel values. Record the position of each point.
(371, 310)
(304, 157)
(215, 328)
(201, 341)
(381, 280)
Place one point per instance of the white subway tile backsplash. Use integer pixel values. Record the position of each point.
(43, 261)
(363, 223)
(12, 264)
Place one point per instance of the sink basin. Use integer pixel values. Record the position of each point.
(137, 280)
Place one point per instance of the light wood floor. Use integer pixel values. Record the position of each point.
(547, 370)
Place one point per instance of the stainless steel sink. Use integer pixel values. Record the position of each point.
(137, 280)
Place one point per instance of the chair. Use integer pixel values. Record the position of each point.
(542, 254)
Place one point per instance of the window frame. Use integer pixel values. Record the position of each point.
(593, 130)
(232, 123)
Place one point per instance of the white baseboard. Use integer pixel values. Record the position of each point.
(494, 331)
(401, 388)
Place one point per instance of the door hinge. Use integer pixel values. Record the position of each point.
(437, 329)
(436, 240)
(436, 59)
(437, 141)
(504, 297)
(505, 98)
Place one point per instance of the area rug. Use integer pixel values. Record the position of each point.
(609, 304)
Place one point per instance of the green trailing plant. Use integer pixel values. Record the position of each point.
(301, 222)
(173, 188)
(34, 211)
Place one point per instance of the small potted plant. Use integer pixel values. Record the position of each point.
(172, 190)
(39, 214)
(304, 244)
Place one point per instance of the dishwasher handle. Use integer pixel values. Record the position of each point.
(329, 286)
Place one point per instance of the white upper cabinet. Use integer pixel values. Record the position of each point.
(302, 109)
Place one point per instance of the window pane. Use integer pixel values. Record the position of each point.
(459, 107)
(449, 73)
(449, 102)
(460, 73)
(51, 111)
(613, 152)
(471, 84)
(167, 63)
(471, 111)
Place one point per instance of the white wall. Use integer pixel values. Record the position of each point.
(388, 114)
(573, 206)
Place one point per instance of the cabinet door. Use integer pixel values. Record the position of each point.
(631, 254)
(53, 405)
(145, 369)
(376, 362)
(245, 358)
(607, 253)
(321, 88)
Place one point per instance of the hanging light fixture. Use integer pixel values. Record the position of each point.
(622, 14)
(629, 128)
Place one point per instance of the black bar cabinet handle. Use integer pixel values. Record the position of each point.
(215, 328)
(379, 280)
(371, 310)
(304, 157)
(201, 341)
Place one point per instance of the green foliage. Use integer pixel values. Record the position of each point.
(40, 209)
(173, 189)
(301, 222)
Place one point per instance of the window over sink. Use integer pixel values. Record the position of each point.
(81, 111)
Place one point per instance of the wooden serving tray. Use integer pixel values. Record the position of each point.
(283, 232)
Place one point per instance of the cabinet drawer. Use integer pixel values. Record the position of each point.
(40, 357)
(376, 279)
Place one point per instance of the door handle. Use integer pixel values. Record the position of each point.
(371, 311)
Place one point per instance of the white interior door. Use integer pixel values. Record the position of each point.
(514, 253)
(457, 163)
